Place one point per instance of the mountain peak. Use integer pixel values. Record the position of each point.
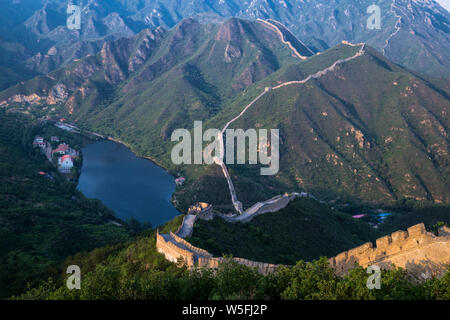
(231, 30)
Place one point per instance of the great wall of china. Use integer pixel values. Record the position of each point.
(177, 249)
(280, 34)
(420, 252)
(416, 250)
(219, 160)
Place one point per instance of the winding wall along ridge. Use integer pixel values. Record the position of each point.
(416, 250)
(237, 204)
(396, 27)
(280, 34)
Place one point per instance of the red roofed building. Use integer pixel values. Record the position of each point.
(65, 149)
(65, 163)
(62, 149)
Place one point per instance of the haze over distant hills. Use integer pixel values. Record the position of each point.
(414, 34)
(445, 4)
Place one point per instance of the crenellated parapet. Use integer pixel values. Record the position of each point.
(261, 267)
(193, 249)
(173, 252)
(409, 249)
(174, 247)
(415, 250)
(444, 231)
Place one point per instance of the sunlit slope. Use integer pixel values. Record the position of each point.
(369, 129)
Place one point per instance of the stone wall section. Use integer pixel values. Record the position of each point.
(173, 248)
(415, 250)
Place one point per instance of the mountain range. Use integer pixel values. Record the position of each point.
(336, 138)
(362, 114)
(414, 34)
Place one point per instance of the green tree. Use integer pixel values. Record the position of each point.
(312, 281)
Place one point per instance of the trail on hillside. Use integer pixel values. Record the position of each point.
(236, 203)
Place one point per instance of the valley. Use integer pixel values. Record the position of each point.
(371, 172)
(354, 173)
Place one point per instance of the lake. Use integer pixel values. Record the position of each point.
(131, 186)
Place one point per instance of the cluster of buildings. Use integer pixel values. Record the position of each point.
(179, 181)
(376, 218)
(63, 152)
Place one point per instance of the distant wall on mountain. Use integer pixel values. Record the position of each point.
(416, 250)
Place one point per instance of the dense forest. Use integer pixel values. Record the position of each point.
(43, 218)
(47, 225)
(138, 271)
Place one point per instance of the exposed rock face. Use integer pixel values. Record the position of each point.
(112, 55)
(413, 33)
(22, 98)
(58, 93)
(131, 59)
(145, 48)
(231, 52)
(419, 252)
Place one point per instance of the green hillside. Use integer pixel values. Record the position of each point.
(380, 138)
(369, 130)
(305, 230)
(346, 136)
(137, 271)
(42, 220)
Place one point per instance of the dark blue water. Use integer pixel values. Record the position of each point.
(131, 186)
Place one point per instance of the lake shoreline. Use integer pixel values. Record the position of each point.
(95, 137)
(172, 196)
(142, 190)
(130, 147)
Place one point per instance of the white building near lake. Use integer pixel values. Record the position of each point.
(65, 163)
